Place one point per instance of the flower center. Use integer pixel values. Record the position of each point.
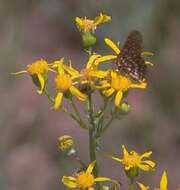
(85, 180)
(88, 25)
(63, 82)
(86, 74)
(39, 67)
(121, 83)
(132, 160)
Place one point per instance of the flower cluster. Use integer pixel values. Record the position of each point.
(113, 85)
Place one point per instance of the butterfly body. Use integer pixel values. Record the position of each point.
(130, 61)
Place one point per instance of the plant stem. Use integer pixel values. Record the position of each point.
(82, 124)
(110, 120)
(131, 184)
(51, 99)
(92, 139)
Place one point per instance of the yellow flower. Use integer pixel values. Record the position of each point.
(163, 183)
(133, 160)
(64, 83)
(90, 74)
(85, 179)
(118, 85)
(37, 70)
(65, 142)
(87, 25)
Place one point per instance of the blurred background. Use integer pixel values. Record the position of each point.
(33, 29)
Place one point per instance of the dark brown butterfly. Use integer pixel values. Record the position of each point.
(130, 61)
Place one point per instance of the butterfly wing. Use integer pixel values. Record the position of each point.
(129, 61)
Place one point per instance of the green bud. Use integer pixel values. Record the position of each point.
(125, 108)
(88, 39)
(132, 173)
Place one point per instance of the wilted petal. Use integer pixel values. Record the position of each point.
(117, 159)
(19, 72)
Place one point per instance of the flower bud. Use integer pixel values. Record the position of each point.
(132, 173)
(88, 39)
(65, 143)
(125, 108)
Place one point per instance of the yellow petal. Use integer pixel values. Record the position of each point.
(91, 60)
(42, 83)
(99, 179)
(125, 152)
(91, 167)
(117, 159)
(79, 22)
(108, 92)
(71, 71)
(164, 181)
(142, 186)
(102, 18)
(69, 181)
(146, 154)
(112, 45)
(149, 162)
(106, 58)
(91, 188)
(141, 85)
(59, 65)
(145, 167)
(98, 73)
(19, 72)
(118, 98)
(105, 84)
(58, 100)
(78, 94)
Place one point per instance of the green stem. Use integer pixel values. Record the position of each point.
(92, 139)
(131, 184)
(82, 124)
(50, 98)
(110, 120)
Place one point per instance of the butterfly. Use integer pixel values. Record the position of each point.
(130, 61)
